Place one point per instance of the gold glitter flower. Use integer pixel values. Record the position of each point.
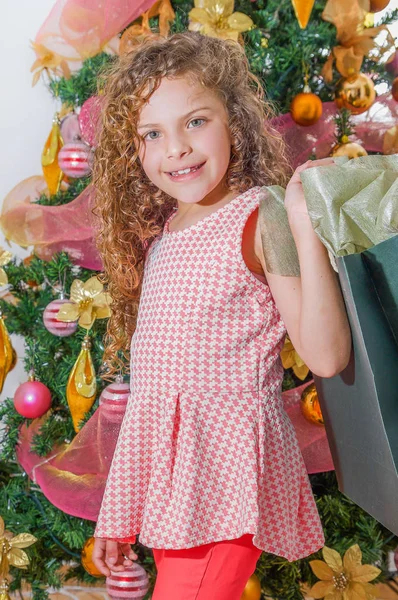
(10, 550)
(47, 60)
(290, 359)
(216, 18)
(89, 302)
(5, 258)
(345, 579)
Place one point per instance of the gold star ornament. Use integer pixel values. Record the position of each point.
(89, 302)
(343, 579)
(216, 18)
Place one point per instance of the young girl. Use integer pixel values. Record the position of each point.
(207, 467)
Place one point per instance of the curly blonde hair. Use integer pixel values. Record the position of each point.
(130, 208)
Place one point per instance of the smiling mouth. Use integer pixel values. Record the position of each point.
(186, 171)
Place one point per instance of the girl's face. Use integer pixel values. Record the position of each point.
(185, 125)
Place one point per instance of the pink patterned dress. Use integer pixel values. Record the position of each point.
(206, 451)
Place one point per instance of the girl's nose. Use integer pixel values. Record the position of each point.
(177, 148)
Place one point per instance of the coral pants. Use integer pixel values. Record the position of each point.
(215, 571)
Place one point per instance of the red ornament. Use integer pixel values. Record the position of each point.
(128, 584)
(394, 89)
(392, 66)
(74, 159)
(89, 119)
(51, 323)
(32, 399)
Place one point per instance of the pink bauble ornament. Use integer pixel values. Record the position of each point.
(70, 128)
(51, 323)
(130, 584)
(74, 159)
(392, 67)
(32, 399)
(117, 392)
(89, 119)
(113, 400)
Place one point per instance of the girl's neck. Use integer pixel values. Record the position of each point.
(188, 214)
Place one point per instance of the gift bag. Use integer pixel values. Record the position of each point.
(360, 405)
(353, 207)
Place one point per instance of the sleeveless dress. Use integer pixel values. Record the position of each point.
(206, 451)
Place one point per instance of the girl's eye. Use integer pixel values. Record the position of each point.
(149, 134)
(196, 120)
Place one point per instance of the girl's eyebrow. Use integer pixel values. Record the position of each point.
(182, 118)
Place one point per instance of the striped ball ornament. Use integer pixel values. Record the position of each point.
(113, 400)
(130, 584)
(51, 323)
(74, 159)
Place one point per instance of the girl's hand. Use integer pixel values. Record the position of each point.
(109, 554)
(294, 199)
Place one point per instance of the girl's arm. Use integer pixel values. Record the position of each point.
(311, 306)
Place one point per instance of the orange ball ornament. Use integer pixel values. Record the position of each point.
(310, 405)
(306, 109)
(394, 89)
(252, 589)
(378, 5)
(86, 558)
(357, 93)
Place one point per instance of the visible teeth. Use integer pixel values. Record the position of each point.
(184, 171)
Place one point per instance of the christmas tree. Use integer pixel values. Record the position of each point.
(312, 58)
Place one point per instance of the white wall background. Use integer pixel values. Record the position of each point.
(25, 119)
(26, 114)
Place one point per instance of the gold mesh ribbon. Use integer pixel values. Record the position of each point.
(279, 248)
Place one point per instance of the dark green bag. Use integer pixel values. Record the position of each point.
(360, 405)
(354, 211)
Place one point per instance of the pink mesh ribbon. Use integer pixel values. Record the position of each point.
(79, 29)
(370, 128)
(51, 229)
(312, 438)
(73, 476)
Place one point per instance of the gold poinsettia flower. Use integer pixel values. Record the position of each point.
(89, 302)
(291, 360)
(5, 258)
(47, 60)
(345, 579)
(10, 550)
(216, 18)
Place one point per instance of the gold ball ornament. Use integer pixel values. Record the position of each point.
(357, 93)
(252, 590)
(86, 558)
(310, 405)
(349, 149)
(378, 5)
(306, 109)
(394, 89)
